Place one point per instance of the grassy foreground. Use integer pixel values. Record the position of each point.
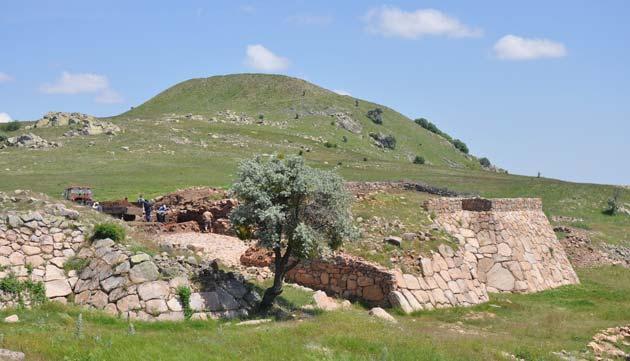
(528, 326)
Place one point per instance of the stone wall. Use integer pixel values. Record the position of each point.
(346, 276)
(35, 246)
(447, 280)
(508, 243)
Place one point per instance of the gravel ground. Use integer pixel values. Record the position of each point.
(226, 249)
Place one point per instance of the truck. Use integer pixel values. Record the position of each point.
(122, 209)
(79, 194)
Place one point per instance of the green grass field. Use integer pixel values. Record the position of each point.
(528, 326)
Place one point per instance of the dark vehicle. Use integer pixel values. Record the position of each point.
(122, 209)
(79, 194)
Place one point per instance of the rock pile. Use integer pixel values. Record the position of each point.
(84, 124)
(609, 343)
(362, 189)
(30, 141)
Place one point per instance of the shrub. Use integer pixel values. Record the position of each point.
(461, 146)
(424, 123)
(261, 116)
(113, 231)
(184, 298)
(330, 145)
(344, 139)
(3, 138)
(418, 160)
(75, 264)
(11, 126)
(376, 115)
(297, 116)
(485, 162)
(356, 103)
(612, 205)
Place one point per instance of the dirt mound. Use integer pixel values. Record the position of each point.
(189, 205)
(583, 253)
(257, 257)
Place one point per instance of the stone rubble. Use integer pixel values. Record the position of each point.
(84, 124)
(30, 141)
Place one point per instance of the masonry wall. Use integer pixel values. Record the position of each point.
(348, 277)
(508, 243)
(35, 246)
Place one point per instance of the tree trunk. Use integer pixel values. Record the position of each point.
(272, 292)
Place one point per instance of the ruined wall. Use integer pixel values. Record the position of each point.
(35, 246)
(447, 281)
(346, 276)
(508, 243)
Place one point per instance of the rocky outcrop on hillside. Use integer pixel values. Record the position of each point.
(344, 120)
(30, 141)
(82, 124)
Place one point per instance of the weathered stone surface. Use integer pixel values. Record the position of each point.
(12, 319)
(156, 306)
(382, 314)
(500, 278)
(8, 355)
(57, 288)
(393, 240)
(128, 303)
(155, 289)
(144, 272)
(139, 258)
(323, 302)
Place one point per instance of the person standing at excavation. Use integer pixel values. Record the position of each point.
(207, 221)
(147, 210)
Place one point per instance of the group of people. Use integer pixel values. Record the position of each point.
(147, 208)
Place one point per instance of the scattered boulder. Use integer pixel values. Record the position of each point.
(8, 355)
(12, 319)
(386, 141)
(324, 302)
(84, 124)
(30, 141)
(382, 314)
(253, 322)
(393, 240)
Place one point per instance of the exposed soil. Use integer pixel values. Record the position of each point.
(226, 249)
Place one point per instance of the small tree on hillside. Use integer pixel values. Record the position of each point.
(293, 209)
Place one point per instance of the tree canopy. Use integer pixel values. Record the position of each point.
(293, 209)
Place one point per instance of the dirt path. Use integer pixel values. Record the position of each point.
(226, 249)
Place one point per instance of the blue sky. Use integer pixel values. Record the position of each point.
(534, 86)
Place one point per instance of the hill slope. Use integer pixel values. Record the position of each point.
(185, 137)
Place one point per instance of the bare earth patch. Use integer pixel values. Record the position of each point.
(226, 249)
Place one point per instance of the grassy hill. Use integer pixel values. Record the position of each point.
(182, 137)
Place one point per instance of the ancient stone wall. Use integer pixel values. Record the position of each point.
(348, 277)
(35, 246)
(508, 243)
(446, 282)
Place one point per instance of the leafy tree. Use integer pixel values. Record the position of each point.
(460, 145)
(295, 210)
(485, 162)
(376, 115)
(418, 160)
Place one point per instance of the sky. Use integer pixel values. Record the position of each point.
(535, 86)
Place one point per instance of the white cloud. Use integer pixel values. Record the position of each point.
(392, 21)
(306, 19)
(261, 58)
(5, 118)
(4, 77)
(248, 9)
(342, 92)
(78, 83)
(109, 96)
(512, 47)
(83, 83)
